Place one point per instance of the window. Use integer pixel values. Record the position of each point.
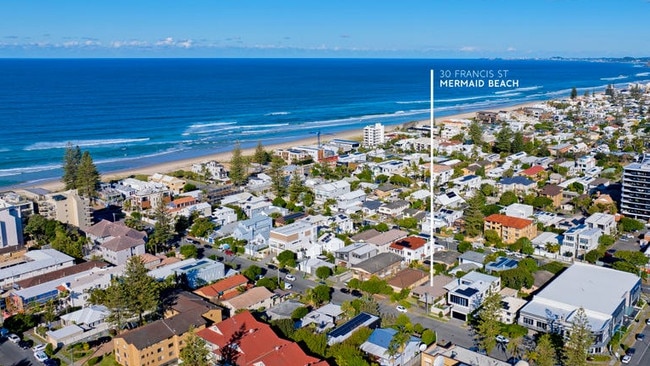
(458, 300)
(528, 321)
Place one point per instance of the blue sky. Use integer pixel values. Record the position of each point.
(329, 28)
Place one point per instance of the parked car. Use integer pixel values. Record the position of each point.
(39, 347)
(25, 344)
(288, 286)
(626, 359)
(345, 290)
(356, 293)
(14, 338)
(502, 339)
(290, 277)
(640, 336)
(401, 309)
(40, 356)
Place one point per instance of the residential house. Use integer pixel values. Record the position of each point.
(224, 215)
(323, 318)
(383, 240)
(255, 342)
(381, 265)
(394, 208)
(252, 299)
(192, 272)
(560, 149)
(117, 242)
(408, 278)
(378, 347)
(412, 248)
(370, 207)
(298, 237)
(518, 210)
(345, 330)
(351, 199)
(510, 229)
(211, 169)
(518, 184)
(580, 239)
(553, 192)
(441, 173)
(341, 224)
(467, 183)
(255, 229)
(605, 222)
(585, 163)
(11, 225)
(224, 289)
(501, 264)
(172, 183)
(353, 254)
(332, 191)
(143, 195)
(450, 199)
(510, 307)
(454, 355)
(385, 190)
(472, 257)
(466, 294)
(328, 242)
(533, 172)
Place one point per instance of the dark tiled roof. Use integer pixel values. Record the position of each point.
(160, 330)
(378, 262)
(63, 272)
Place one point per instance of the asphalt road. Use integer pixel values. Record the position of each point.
(12, 355)
(641, 356)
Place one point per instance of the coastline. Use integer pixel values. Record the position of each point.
(224, 157)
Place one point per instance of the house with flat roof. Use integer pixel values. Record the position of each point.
(454, 355)
(332, 190)
(298, 237)
(35, 262)
(345, 330)
(606, 295)
(580, 239)
(466, 294)
(605, 222)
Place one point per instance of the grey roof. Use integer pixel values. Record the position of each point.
(591, 287)
(473, 256)
(40, 259)
(160, 330)
(378, 262)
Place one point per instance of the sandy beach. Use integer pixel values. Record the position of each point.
(224, 157)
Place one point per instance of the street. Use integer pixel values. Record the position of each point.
(12, 355)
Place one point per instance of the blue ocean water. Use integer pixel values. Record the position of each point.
(135, 112)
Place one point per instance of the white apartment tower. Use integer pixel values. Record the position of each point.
(11, 226)
(373, 135)
(635, 200)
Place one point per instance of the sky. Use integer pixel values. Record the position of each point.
(325, 28)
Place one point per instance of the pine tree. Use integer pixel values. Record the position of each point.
(295, 188)
(517, 142)
(503, 141)
(142, 291)
(476, 133)
(488, 323)
(260, 154)
(474, 216)
(580, 339)
(237, 166)
(87, 177)
(195, 351)
(544, 353)
(574, 93)
(276, 173)
(162, 230)
(71, 161)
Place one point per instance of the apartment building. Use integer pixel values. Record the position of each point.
(635, 198)
(509, 228)
(373, 135)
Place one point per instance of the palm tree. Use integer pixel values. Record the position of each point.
(398, 343)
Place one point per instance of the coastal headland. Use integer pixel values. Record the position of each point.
(225, 157)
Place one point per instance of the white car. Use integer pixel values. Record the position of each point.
(401, 309)
(39, 347)
(14, 338)
(626, 359)
(290, 277)
(502, 339)
(288, 286)
(40, 356)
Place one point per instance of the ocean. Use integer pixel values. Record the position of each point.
(135, 112)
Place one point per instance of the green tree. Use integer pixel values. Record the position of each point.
(428, 336)
(629, 224)
(195, 351)
(87, 176)
(142, 291)
(300, 313)
(189, 187)
(189, 251)
(238, 167)
(252, 272)
(576, 348)
(606, 240)
(71, 161)
(114, 297)
(287, 258)
(574, 93)
(473, 216)
(382, 227)
(398, 342)
(544, 353)
(260, 154)
(269, 283)
(323, 272)
(162, 229)
(202, 227)
(295, 186)
(517, 278)
(636, 258)
(320, 294)
(625, 266)
(276, 172)
(64, 242)
(507, 198)
(504, 140)
(517, 142)
(593, 255)
(487, 189)
(488, 326)
(476, 133)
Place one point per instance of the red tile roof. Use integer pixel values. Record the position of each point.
(256, 342)
(412, 243)
(533, 170)
(222, 286)
(181, 200)
(509, 221)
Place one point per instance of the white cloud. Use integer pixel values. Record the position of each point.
(511, 49)
(468, 49)
(169, 41)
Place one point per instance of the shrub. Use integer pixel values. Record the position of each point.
(94, 360)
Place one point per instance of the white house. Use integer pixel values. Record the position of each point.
(580, 239)
(224, 215)
(332, 190)
(467, 293)
(298, 237)
(602, 221)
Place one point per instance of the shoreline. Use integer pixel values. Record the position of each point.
(225, 157)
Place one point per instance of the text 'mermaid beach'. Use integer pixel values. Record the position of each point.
(476, 79)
